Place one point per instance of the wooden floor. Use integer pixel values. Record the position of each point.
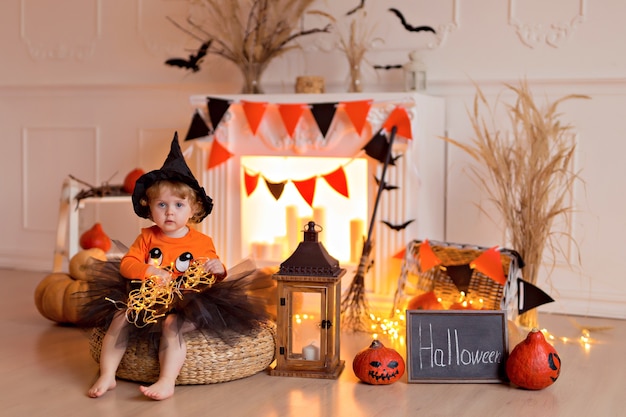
(46, 370)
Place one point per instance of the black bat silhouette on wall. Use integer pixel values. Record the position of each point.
(398, 226)
(386, 185)
(192, 63)
(360, 6)
(408, 26)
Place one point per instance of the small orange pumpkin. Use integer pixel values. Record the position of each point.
(95, 238)
(378, 365)
(130, 180)
(425, 301)
(534, 363)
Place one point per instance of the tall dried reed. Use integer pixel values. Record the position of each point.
(527, 172)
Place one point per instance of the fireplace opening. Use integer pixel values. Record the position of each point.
(274, 213)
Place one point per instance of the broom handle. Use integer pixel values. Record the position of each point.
(381, 184)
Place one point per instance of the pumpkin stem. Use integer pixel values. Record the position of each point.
(376, 344)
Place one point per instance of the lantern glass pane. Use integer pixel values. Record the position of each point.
(306, 315)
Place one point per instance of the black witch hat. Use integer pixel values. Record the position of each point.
(174, 169)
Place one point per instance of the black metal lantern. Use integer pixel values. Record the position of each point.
(308, 319)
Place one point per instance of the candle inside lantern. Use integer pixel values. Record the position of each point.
(310, 352)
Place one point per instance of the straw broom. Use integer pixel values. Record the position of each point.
(355, 314)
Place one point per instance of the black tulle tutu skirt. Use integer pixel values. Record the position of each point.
(226, 306)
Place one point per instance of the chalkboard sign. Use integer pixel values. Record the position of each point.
(456, 346)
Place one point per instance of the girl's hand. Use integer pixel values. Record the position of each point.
(214, 266)
(163, 276)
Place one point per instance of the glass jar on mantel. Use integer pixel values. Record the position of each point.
(252, 73)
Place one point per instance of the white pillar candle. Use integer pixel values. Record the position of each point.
(292, 228)
(356, 239)
(310, 352)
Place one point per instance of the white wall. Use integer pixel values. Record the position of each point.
(84, 91)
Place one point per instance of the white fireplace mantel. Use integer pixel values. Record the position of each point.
(419, 173)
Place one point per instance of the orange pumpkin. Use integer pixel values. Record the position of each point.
(378, 365)
(130, 180)
(95, 238)
(534, 363)
(425, 301)
(59, 296)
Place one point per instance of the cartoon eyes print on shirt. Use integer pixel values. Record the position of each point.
(180, 265)
(156, 256)
(183, 261)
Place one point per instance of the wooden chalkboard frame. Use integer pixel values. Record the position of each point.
(456, 346)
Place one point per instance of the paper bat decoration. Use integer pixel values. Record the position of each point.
(386, 185)
(193, 62)
(408, 26)
(398, 227)
(388, 67)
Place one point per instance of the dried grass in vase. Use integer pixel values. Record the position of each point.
(249, 33)
(528, 174)
(354, 46)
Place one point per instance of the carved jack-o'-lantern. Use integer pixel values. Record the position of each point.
(378, 365)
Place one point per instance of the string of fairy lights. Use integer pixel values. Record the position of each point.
(153, 299)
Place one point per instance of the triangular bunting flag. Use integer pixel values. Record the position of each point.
(490, 264)
(251, 182)
(427, 257)
(337, 180)
(399, 118)
(461, 275)
(291, 113)
(217, 108)
(357, 112)
(306, 188)
(323, 113)
(400, 254)
(377, 148)
(276, 188)
(219, 154)
(197, 128)
(254, 112)
(530, 296)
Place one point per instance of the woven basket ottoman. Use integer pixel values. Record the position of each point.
(209, 359)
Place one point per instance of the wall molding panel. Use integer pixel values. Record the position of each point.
(74, 36)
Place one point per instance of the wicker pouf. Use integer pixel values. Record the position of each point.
(209, 359)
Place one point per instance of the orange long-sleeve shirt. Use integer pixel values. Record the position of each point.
(152, 247)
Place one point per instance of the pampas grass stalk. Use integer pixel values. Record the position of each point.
(528, 175)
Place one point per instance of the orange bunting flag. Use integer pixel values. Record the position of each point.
(400, 254)
(291, 113)
(399, 118)
(337, 180)
(490, 264)
(427, 257)
(251, 181)
(357, 112)
(254, 112)
(306, 188)
(219, 154)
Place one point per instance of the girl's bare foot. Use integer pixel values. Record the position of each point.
(160, 390)
(101, 386)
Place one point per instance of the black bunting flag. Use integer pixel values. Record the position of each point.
(217, 108)
(198, 127)
(377, 147)
(323, 113)
(276, 188)
(460, 275)
(530, 296)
